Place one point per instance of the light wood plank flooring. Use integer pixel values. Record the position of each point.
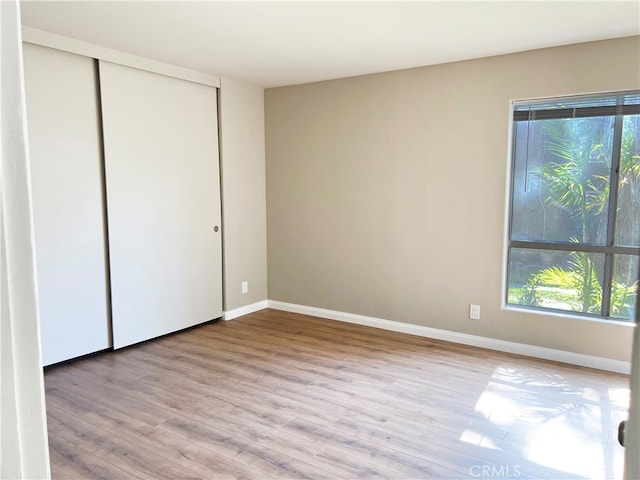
(280, 395)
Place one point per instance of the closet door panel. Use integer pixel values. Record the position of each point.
(66, 180)
(163, 198)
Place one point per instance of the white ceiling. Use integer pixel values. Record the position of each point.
(284, 43)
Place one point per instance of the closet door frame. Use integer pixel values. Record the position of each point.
(40, 37)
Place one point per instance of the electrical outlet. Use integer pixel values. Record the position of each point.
(474, 312)
(245, 287)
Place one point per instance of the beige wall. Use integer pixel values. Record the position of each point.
(386, 193)
(242, 160)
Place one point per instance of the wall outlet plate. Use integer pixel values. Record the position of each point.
(474, 312)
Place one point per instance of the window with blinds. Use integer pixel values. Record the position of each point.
(574, 229)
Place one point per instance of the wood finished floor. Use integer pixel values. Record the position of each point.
(281, 395)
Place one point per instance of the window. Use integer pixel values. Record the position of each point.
(574, 230)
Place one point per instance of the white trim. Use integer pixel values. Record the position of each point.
(24, 450)
(51, 40)
(247, 309)
(463, 338)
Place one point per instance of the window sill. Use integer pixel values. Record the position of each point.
(569, 316)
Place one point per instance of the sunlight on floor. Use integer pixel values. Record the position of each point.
(543, 418)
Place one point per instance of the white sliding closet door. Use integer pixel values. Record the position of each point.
(66, 180)
(163, 197)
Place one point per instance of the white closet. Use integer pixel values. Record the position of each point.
(66, 182)
(163, 197)
(151, 226)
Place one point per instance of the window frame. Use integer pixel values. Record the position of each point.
(618, 111)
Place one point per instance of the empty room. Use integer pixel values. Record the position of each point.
(324, 240)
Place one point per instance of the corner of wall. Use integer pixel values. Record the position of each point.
(243, 191)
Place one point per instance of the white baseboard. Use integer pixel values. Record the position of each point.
(463, 338)
(247, 309)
